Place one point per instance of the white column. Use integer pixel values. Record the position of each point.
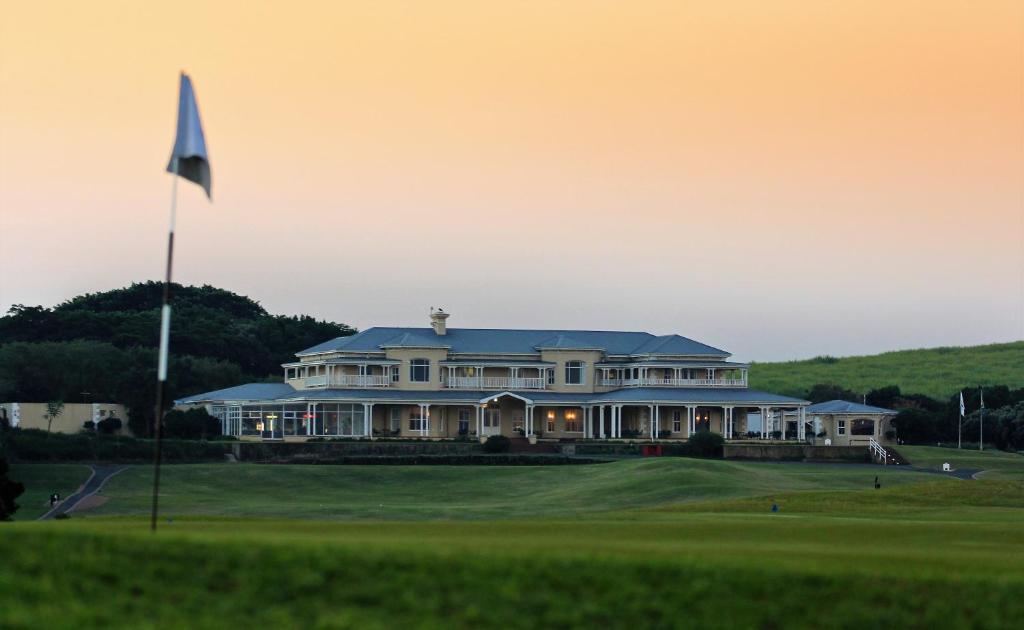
(528, 421)
(600, 421)
(479, 420)
(783, 427)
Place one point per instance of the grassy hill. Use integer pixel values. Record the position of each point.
(935, 372)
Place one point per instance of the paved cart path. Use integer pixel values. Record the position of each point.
(100, 474)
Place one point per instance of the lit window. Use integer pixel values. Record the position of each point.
(551, 421)
(572, 422)
(841, 429)
(419, 370)
(574, 372)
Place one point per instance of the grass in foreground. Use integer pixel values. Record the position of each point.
(465, 492)
(935, 372)
(697, 570)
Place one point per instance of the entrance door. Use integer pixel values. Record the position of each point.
(492, 421)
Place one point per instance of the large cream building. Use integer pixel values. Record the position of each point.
(441, 382)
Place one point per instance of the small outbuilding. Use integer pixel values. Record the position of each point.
(846, 423)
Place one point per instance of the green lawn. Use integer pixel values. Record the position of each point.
(467, 492)
(43, 480)
(996, 464)
(935, 372)
(640, 543)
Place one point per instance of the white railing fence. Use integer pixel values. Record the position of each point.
(877, 451)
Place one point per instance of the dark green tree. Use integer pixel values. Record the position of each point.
(9, 491)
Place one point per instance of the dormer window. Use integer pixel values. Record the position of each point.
(574, 372)
(419, 370)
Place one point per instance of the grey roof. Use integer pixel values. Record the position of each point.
(669, 363)
(845, 406)
(280, 392)
(562, 342)
(696, 395)
(249, 391)
(514, 341)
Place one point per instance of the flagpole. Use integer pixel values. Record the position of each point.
(981, 421)
(960, 420)
(165, 334)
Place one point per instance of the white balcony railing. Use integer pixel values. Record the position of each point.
(494, 382)
(354, 380)
(672, 382)
(347, 380)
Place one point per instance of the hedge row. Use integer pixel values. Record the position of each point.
(30, 445)
(446, 460)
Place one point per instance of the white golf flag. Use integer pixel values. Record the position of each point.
(962, 408)
(189, 153)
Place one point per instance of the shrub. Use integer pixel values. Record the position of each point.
(630, 433)
(89, 426)
(9, 491)
(194, 424)
(705, 444)
(109, 426)
(497, 444)
(664, 435)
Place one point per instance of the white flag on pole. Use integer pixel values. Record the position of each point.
(963, 409)
(189, 158)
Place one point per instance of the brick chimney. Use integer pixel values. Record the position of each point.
(437, 321)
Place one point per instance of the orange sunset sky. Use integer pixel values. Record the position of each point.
(780, 179)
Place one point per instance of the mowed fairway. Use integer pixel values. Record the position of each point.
(468, 492)
(643, 543)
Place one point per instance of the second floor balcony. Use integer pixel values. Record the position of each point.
(348, 380)
(495, 382)
(671, 382)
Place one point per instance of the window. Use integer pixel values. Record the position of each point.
(677, 421)
(395, 425)
(419, 370)
(572, 422)
(841, 427)
(574, 372)
(551, 421)
(394, 373)
(551, 377)
(418, 422)
(463, 421)
(862, 427)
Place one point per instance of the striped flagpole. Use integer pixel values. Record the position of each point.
(165, 339)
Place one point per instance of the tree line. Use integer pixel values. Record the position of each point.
(103, 346)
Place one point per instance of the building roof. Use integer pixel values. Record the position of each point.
(515, 341)
(249, 391)
(845, 406)
(696, 396)
(280, 393)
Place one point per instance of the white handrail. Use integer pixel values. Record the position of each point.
(876, 449)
